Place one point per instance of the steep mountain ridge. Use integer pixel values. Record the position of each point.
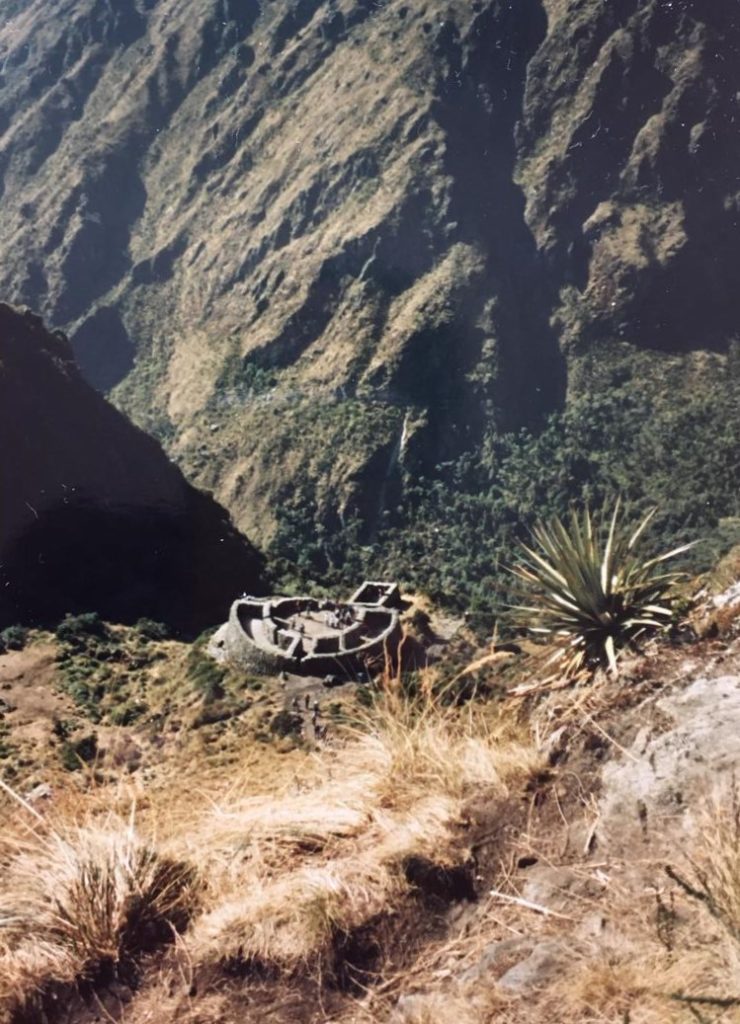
(92, 514)
(326, 243)
(628, 157)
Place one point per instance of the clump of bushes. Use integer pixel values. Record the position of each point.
(148, 629)
(76, 629)
(241, 379)
(86, 643)
(104, 667)
(13, 638)
(84, 689)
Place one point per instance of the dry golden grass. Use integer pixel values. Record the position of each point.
(282, 877)
(286, 880)
(290, 872)
(413, 747)
(80, 900)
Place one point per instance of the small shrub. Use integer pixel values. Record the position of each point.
(206, 674)
(6, 748)
(75, 753)
(591, 593)
(62, 728)
(86, 695)
(148, 629)
(75, 628)
(13, 638)
(127, 714)
(286, 723)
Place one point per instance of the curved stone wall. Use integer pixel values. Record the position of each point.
(312, 636)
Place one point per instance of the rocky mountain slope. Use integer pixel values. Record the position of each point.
(335, 240)
(559, 853)
(93, 516)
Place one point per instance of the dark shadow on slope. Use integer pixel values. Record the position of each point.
(178, 565)
(480, 101)
(111, 199)
(93, 516)
(104, 350)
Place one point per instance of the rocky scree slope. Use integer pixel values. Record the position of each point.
(337, 240)
(93, 516)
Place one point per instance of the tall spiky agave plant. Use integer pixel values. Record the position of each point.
(590, 591)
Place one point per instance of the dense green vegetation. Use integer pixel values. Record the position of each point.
(452, 533)
(148, 629)
(76, 631)
(13, 638)
(103, 669)
(240, 380)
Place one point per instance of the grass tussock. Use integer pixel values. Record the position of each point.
(416, 747)
(83, 902)
(714, 879)
(287, 882)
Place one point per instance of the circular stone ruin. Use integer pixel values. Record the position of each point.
(314, 636)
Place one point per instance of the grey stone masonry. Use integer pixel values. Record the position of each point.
(315, 636)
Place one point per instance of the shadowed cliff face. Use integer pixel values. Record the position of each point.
(336, 240)
(92, 514)
(628, 156)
